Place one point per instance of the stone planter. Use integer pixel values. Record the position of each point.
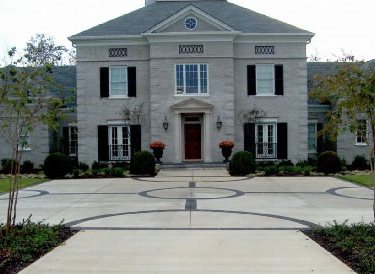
(227, 152)
(158, 154)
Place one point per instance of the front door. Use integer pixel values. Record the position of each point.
(193, 142)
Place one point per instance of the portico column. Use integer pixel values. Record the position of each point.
(177, 137)
(207, 137)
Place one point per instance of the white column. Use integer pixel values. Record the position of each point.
(177, 137)
(207, 138)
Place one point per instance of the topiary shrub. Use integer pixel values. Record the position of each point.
(242, 164)
(27, 167)
(329, 162)
(57, 165)
(360, 163)
(142, 163)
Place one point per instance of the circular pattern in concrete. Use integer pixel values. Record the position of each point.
(198, 193)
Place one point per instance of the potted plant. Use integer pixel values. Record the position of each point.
(157, 148)
(226, 149)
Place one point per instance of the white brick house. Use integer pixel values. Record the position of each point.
(192, 63)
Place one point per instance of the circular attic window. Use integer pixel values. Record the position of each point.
(191, 23)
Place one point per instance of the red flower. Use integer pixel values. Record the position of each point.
(157, 144)
(226, 144)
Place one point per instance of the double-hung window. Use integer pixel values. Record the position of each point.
(191, 79)
(24, 143)
(312, 137)
(118, 81)
(73, 141)
(265, 79)
(265, 139)
(362, 132)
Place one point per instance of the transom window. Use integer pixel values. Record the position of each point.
(312, 137)
(118, 81)
(192, 79)
(265, 139)
(362, 132)
(119, 143)
(265, 79)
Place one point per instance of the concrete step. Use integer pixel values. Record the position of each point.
(189, 165)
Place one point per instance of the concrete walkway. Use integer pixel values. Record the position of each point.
(193, 221)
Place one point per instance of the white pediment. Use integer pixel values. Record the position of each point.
(206, 23)
(192, 104)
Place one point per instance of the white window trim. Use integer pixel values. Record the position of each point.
(367, 134)
(126, 85)
(266, 122)
(183, 94)
(273, 82)
(70, 140)
(315, 122)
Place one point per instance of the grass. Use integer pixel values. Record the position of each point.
(27, 242)
(364, 180)
(353, 244)
(24, 182)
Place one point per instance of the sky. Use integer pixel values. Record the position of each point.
(344, 25)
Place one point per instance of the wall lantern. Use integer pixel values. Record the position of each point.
(219, 123)
(165, 123)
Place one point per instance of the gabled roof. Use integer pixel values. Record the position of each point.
(239, 18)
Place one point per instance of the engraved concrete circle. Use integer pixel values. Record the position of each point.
(198, 193)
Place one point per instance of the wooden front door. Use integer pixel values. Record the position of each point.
(193, 142)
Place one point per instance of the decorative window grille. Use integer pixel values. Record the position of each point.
(191, 49)
(118, 52)
(264, 50)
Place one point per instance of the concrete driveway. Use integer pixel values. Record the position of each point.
(193, 221)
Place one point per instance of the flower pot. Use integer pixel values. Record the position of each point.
(226, 151)
(158, 153)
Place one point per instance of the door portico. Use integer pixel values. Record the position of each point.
(196, 108)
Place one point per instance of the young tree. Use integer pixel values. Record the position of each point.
(25, 103)
(134, 115)
(351, 92)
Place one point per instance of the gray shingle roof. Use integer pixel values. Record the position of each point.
(237, 17)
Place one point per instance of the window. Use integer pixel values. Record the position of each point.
(265, 79)
(312, 137)
(192, 79)
(265, 139)
(24, 141)
(118, 81)
(362, 132)
(73, 141)
(191, 23)
(119, 143)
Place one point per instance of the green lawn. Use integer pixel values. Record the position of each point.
(24, 182)
(364, 180)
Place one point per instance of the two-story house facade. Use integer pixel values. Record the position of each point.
(194, 66)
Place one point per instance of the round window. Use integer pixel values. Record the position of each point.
(191, 23)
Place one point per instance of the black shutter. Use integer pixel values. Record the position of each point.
(104, 82)
(132, 82)
(251, 80)
(135, 138)
(279, 80)
(320, 139)
(65, 141)
(282, 141)
(103, 145)
(249, 135)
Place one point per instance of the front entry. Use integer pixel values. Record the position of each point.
(193, 142)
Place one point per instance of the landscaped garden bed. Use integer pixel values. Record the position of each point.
(27, 242)
(352, 244)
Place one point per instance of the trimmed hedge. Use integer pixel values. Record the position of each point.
(360, 163)
(142, 163)
(242, 164)
(57, 165)
(6, 165)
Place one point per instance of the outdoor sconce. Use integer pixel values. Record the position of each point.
(165, 123)
(219, 123)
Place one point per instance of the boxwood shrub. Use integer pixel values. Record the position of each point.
(329, 162)
(142, 163)
(360, 163)
(57, 165)
(242, 164)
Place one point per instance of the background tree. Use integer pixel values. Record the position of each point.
(25, 102)
(351, 92)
